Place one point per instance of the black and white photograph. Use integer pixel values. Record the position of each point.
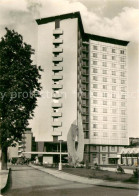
(69, 97)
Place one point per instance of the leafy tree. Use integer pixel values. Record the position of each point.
(19, 89)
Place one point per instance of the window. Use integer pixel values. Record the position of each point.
(104, 94)
(95, 55)
(122, 96)
(113, 103)
(104, 71)
(104, 49)
(95, 110)
(57, 24)
(114, 111)
(104, 126)
(95, 126)
(113, 65)
(123, 89)
(95, 118)
(94, 155)
(114, 119)
(94, 93)
(105, 134)
(123, 135)
(122, 51)
(113, 95)
(123, 127)
(113, 88)
(114, 127)
(95, 48)
(114, 73)
(113, 80)
(113, 57)
(122, 119)
(94, 70)
(104, 118)
(113, 50)
(94, 62)
(122, 66)
(122, 74)
(112, 148)
(104, 64)
(104, 110)
(122, 111)
(104, 79)
(95, 86)
(95, 134)
(122, 59)
(104, 56)
(104, 86)
(104, 102)
(122, 81)
(122, 103)
(95, 78)
(104, 148)
(94, 147)
(95, 101)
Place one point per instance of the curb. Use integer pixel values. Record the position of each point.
(101, 185)
(4, 189)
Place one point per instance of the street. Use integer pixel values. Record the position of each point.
(26, 181)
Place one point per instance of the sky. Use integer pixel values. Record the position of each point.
(112, 18)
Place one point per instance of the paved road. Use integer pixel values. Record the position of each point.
(26, 181)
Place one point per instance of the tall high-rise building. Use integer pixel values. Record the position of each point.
(86, 74)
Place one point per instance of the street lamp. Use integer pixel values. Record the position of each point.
(60, 163)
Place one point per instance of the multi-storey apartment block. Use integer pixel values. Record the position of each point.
(86, 74)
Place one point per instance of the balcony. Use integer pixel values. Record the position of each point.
(84, 96)
(56, 105)
(56, 114)
(58, 41)
(85, 113)
(56, 95)
(57, 59)
(57, 124)
(57, 86)
(85, 81)
(85, 73)
(57, 77)
(57, 50)
(57, 68)
(57, 32)
(57, 133)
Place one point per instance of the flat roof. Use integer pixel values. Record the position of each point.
(86, 36)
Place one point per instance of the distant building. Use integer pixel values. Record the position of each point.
(25, 145)
(83, 73)
(130, 155)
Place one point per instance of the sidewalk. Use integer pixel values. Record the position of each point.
(3, 179)
(97, 182)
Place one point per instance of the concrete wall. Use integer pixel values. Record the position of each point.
(41, 124)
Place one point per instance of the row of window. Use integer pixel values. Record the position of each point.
(105, 126)
(95, 94)
(105, 49)
(104, 56)
(114, 135)
(105, 110)
(105, 118)
(113, 80)
(104, 71)
(104, 86)
(105, 102)
(103, 148)
(105, 64)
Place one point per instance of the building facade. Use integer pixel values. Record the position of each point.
(86, 74)
(24, 145)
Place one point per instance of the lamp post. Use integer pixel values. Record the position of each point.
(60, 162)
